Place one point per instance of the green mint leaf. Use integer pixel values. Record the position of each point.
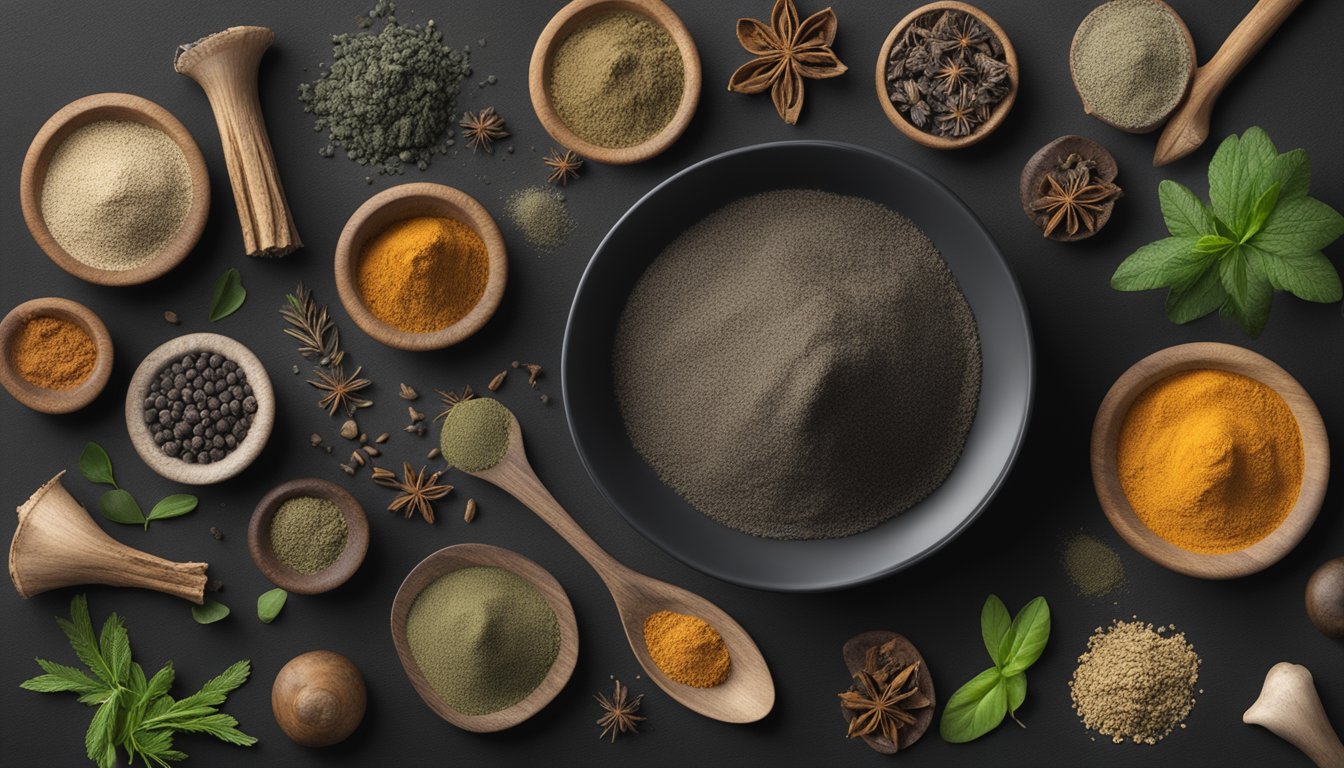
(120, 507)
(1263, 207)
(1016, 686)
(1304, 225)
(1213, 244)
(1308, 276)
(1170, 261)
(1259, 296)
(79, 631)
(995, 622)
(115, 646)
(270, 603)
(1238, 174)
(975, 709)
(210, 612)
(99, 739)
(1030, 632)
(1193, 301)
(1185, 214)
(1232, 272)
(229, 295)
(62, 679)
(176, 505)
(1292, 172)
(96, 466)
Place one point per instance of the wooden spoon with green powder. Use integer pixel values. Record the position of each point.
(482, 438)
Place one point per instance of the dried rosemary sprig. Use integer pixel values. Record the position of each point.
(311, 325)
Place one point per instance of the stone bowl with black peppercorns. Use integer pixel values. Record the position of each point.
(200, 408)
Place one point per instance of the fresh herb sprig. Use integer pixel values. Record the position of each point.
(1260, 233)
(980, 705)
(118, 505)
(133, 712)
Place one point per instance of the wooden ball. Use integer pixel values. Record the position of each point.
(1325, 599)
(319, 698)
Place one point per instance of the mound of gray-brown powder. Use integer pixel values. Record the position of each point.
(799, 365)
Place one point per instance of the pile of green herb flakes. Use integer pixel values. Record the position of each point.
(388, 97)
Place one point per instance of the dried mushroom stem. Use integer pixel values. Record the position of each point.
(225, 65)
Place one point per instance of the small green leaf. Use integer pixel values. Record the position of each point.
(270, 603)
(119, 507)
(1213, 244)
(1030, 632)
(1016, 686)
(1309, 276)
(1263, 207)
(1185, 214)
(96, 465)
(1169, 261)
(229, 295)
(995, 621)
(176, 505)
(209, 613)
(1238, 174)
(975, 709)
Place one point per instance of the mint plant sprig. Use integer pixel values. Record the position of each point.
(1260, 233)
(1014, 644)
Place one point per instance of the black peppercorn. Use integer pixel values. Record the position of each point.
(199, 408)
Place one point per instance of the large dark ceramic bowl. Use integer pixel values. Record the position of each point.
(654, 509)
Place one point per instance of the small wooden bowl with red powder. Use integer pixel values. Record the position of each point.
(421, 266)
(55, 355)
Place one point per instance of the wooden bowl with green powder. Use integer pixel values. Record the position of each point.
(308, 536)
(617, 81)
(114, 189)
(1210, 460)
(421, 266)
(486, 636)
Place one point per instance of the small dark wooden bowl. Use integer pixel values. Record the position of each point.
(93, 109)
(408, 201)
(281, 575)
(1225, 357)
(54, 400)
(461, 556)
(855, 654)
(996, 118)
(557, 31)
(1046, 158)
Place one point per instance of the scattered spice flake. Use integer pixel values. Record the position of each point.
(171, 317)
(497, 381)
(350, 430)
(415, 415)
(314, 439)
(407, 393)
(618, 713)
(533, 373)
(564, 166)
(381, 438)
(216, 533)
(433, 454)
(470, 513)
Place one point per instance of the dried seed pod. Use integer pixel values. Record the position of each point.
(357, 458)
(433, 454)
(545, 399)
(315, 439)
(414, 414)
(533, 373)
(497, 382)
(369, 449)
(347, 469)
(411, 428)
(407, 393)
(381, 438)
(470, 514)
(171, 317)
(363, 437)
(349, 430)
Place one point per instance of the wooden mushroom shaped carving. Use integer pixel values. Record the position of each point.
(1290, 707)
(57, 545)
(319, 698)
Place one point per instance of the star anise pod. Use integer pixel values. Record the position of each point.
(959, 116)
(483, 128)
(564, 166)
(952, 73)
(452, 398)
(341, 390)
(618, 713)
(883, 709)
(416, 493)
(786, 51)
(1074, 203)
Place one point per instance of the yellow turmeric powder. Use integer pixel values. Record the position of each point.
(686, 649)
(423, 274)
(1210, 460)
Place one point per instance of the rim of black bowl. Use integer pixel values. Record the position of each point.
(713, 566)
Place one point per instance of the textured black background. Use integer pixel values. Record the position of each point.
(1086, 335)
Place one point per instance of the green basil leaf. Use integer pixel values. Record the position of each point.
(210, 612)
(1016, 688)
(994, 624)
(1238, 174)
(975, 709)
(1193, 301)
(270, 603)
(229, 295)
(1214, 244)
(1308, 276)
(1263, 207)
(1185, 214)
(1304, 225)
(1169, 261)
(176, 505)
(1292, 172)
(96, 465)
(1030, 632)
(120, 507)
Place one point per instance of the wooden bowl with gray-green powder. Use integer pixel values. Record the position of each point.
(308, 536)
(114, 189)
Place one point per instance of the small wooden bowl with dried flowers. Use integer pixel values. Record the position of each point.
(334, 575)
(997, 77)
(1068, 188)
(41, 398)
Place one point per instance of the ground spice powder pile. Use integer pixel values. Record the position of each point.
(1210, 460)
(308, 533)
(475, 434)
(687, 649)
(1094, 568)
(1131, 62)
(1135, 682)
(542, 215)
(52, 353)
(423, 274)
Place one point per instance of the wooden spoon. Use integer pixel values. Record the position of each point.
(748, 694)
(1189, 127)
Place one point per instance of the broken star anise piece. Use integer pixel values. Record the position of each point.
(341, 390)
(786, 51)
(483, 128)
(564, 166)
(618, 712)
(452, 398)
(884, 708)
(1073, 200)
(416, 493)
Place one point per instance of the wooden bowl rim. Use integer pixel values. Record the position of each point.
(113, 106)
(456, 557)
(1190, 77)
(1033, 173)
(334, 575)
(55, 401)
(257, 434)
(416, 199)
(1227, 357)
(1001, 110)
(557, 31)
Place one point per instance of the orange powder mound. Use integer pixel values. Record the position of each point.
(1210, 460)
(423, 274)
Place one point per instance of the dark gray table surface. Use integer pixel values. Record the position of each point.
(1086, 335)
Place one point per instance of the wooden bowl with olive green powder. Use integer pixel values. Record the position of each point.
(308, 536)
(486, 636)
(798, 366)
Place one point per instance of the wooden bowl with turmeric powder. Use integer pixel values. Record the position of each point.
(421, 266)
(55, 355)
(1210, 460)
